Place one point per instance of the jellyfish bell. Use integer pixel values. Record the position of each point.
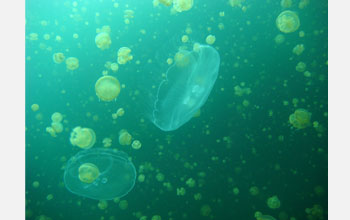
(288, 21)
(72, 63)
(107, 88)
(103, 40)
(300, 119)
(83, 138)
(58, 58)
(88, 172)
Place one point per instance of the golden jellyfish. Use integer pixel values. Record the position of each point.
(124, 137)
(301, 67)
(102, 204)
(56, 117)
(72, 63)
(300, 119)
(166, 2)
(184, 38)
(182, 5)
(288, 21)
(107, 88)
(88, 172)
(114, 67)
(34, 107)
(279, 39)
(51, 131)
(124, 55)
(128, 13)
(236, 3)
(33, 36)
(169, 61)
(57, 127)
(103, 40)
(205, 210)
(105, 28)
(210, 39)
(181, 59)
(136, 144)
(107, 142)
(273, 202)
(286, 3)
(298, 49)
(82, 137)
(58, 57)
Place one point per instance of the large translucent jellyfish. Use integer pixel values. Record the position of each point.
(288, 21)
(82, 137)
(107, 88)
(103, 40)
(72, 63)
(186, 87)
(182, 5)
(100, 173)
(300, 119)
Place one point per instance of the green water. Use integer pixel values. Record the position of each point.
(239, 141)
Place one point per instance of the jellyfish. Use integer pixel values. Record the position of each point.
(82, 137)
(166, 2)
(288, 21)
(210, 39)
(186, 87)
(103, 40)
(56, 117)
(107, 88)
(34, 107)
(100, 173)
(114, 67)
(124, 55)
(136, 144)
(300, 119)
(107, 142)
(273, 202)
(88, 172)
(300, 67)
(182, 5)
(72, 63)
(298, 49)
(58, 58)
(124, 137)
(286, 3)
(57, 127)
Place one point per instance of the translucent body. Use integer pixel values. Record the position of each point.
(107, 88)
(72, 63)
(116, 176)
(124, 137)
(88, 172)
(182, 5)
(287, 22)
(58, 57)
(124, 55)
(103, 40)
(82, 137)
(300, 119)
(186, 87)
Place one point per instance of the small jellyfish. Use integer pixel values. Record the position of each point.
(72, 63)
(58, 57)
(279, 39)
(182, 5)
(298, 49)
(300, 119)
(103, 40)
(182, 59)
(205, 210)
(51, 131)
(114, 67)
(184, 38)
(301, 67)
(210, 39)
(288, 21)
(56, 117)
(107, 88)
(82, 137)
(34, 107)
(136, 144)
(166, 2)
(124, 55)
(88, 172)
(286, 3)
(124, 137)
(107, 142)
(273, 202)
(57, 127)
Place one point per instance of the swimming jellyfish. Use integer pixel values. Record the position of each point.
(72, 63)
(186, 87)
(124, 137)
(182, 5)
(103, 40)
(300, 119)
(100, 173)
(58, 57)
(82, 137)
(107, 88)
(124, 55)
(288, 21)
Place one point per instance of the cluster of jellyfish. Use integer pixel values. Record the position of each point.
(56, 125)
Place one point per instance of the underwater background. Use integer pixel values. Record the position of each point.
(245, 147)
